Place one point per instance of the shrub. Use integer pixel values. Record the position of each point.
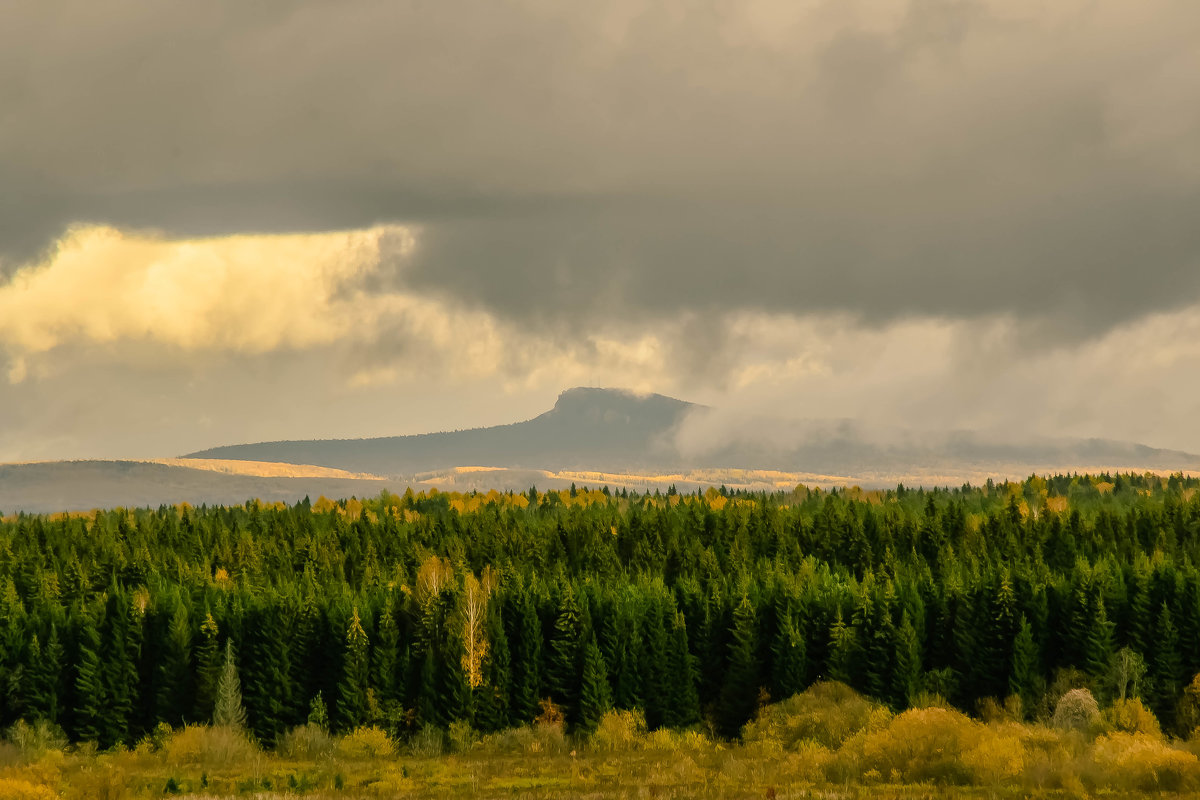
(220, 746)
(13, 789)
(37, 738)
(305, 741)
(428, 742)
(618, 730)
(828, 713)
(922, 744)
(1130, 716)
(462, 737)
(366, 743)
(1145, 763)
(1077, 711)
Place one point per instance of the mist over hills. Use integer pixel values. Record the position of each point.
(591, 437)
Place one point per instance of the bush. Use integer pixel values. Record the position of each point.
(1135, 761)
(37, 738)
(305, 741)
(220, 746)
(618, 730)
(428, 742)
(13, 789)
(462, 737)
(922, 744)
(828, 713)
(1077, 711)
(1130, 716)
(366, 743)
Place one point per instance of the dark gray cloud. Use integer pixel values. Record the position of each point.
(575, 163)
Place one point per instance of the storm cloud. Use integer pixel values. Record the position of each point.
(717, 199)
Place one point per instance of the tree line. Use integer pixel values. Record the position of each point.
(433, 608)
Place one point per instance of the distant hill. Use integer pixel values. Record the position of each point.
(601, 429)
(596, 437)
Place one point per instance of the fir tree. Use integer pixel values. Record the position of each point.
(562, 663)
(1023, 677)
(740, 696)
(906, 664)
(228, 711)
(1099, 652)
(208, 668)
(683, 705)
(788, 665)
(841, 650)
(46, 667)
(527, 653)
(594, 693)
(172, 696)
(1166, 670)
(352, 690)
(90, 691)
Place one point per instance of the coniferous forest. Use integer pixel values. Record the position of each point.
(430, 609)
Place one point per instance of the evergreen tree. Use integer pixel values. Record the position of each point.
(492, 698)
(740, 696)
(172, 696)
(562, 664)
(46, 667)
(1023, 677)
(789, 663)
(352, 690)
(527, 661)
(906, 664)
(1166, 670)
(841, 650)
(91, 693)
(683, 705)
(318, 713)
(594, 695)
(653, 664)
(385, 658)
(1099, 643)
(228, 711)
(208, 668)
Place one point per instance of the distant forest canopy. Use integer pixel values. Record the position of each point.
(433, 608)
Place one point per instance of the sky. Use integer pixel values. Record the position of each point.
(227, 221)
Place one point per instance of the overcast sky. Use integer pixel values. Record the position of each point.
(229, 221)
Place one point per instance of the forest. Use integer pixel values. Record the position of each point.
(429, 613)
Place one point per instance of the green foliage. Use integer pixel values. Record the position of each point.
(228, 711)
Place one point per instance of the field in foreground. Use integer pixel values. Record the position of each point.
(827, 742)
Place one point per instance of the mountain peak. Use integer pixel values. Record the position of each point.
(595, 405)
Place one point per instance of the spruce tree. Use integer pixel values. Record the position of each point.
(46, 669)
(1099, 652)
(789, 662)
(173, 701)
(653, 664)
(90, 687)
(208, 667)
(228, 711)
(385, 657)
(740, 695)
(906, 664)
(352, 690)
(683, 705)
(1023, 678)
(562, 663)
(526, 660)
(594, 693)
(1167, 669)
(491, 700)
(841, 650)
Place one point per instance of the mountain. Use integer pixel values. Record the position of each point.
(588, 428)
(593, 437)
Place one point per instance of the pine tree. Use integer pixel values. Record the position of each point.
(172, 696)
(228, 711)
(683, 706)
(594, 694)
(385, 657)
(789, 662)
(653, 665)
(1099, 643)
(491, 700)
(208, 668)
(46, 666)
(318, 713)
(1023, 679)
(352, 690)
(90, 689)
(562, 665)
(526, 661)
(906, 664)
(1167, 670)
(841, 650)
(740, 696)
